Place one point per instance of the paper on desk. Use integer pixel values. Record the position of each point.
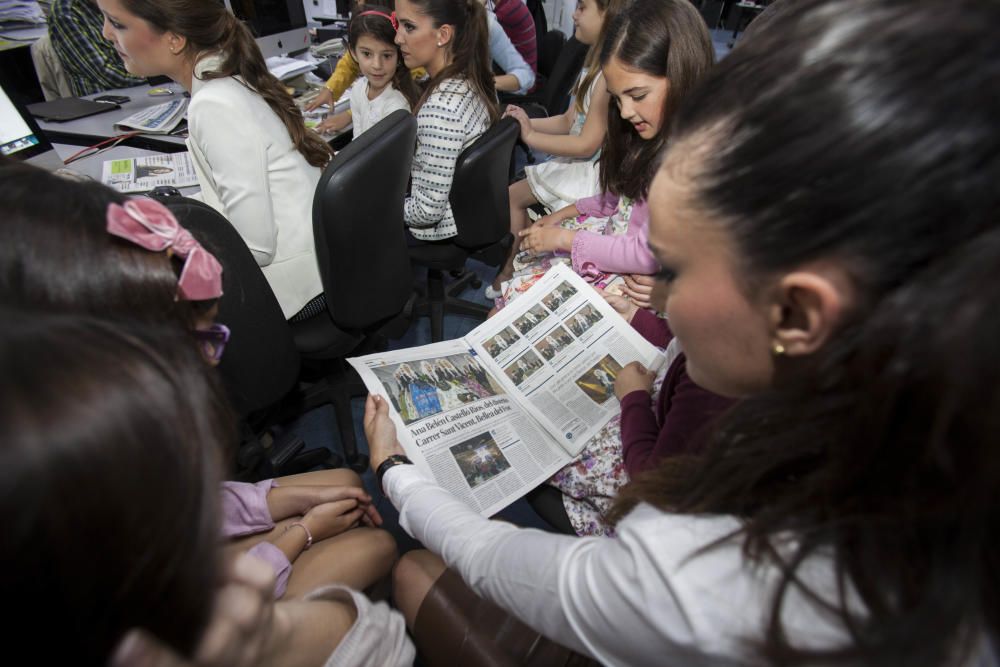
(141, 174)
(285, 68)
(21, 11)
(159, 119)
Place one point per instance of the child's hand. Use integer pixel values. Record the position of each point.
(538, 240)
(324, 97)
(550, 220)
(331, 124)
(518, 114)
(296, 500)
(622, 304)
(330, 519)
(634, 377)
(639, 288)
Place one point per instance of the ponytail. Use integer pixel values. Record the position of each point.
(209, 27)
(470, 49)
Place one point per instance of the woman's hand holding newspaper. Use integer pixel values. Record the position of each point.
(380, 431)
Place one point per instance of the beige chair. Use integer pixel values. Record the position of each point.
(48, 68)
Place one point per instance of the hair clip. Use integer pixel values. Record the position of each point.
(150, 225)
(391, 17)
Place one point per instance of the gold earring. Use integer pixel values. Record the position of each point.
(778, 349)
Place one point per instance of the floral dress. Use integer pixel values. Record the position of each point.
(591, 481)
(529, 268)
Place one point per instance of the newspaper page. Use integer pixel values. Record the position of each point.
(459, 425)
(560, 347)
(160, 119)
(141, 174)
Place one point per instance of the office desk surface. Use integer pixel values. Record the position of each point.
(93, 129)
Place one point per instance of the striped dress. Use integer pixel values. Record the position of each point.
(451, 118)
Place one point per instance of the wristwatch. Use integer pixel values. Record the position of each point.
(390, 461)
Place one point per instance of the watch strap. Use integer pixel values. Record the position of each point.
(389, 462)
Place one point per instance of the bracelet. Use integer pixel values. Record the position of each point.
(389, 462)
(309, 537)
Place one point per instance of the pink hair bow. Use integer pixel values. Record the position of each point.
(150, 225)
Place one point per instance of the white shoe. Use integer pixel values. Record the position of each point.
(491, 293)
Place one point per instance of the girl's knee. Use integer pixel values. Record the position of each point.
(412, 578)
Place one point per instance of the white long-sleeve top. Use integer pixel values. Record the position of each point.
(642, 598)
(451, 118)
(250, 171)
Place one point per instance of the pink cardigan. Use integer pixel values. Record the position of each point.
(606, 253)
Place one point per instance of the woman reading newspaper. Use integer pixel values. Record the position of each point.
(843, 510)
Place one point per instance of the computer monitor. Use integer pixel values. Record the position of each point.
(20, 137)
(279, 26)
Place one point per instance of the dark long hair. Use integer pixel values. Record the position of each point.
(857, 131)
(58, 255)
(108, 442)
(470, 49)
(663, 38)
(380, 28)
(209, 27)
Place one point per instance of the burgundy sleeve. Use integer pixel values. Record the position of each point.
(652, 328)
(687, 410)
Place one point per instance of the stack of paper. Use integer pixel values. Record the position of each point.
(286, 68)
(20, 11)
(159, 119)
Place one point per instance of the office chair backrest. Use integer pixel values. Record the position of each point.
(358, 224)
(261, 363)
(555, 96)
(549, 49)
(479, 198)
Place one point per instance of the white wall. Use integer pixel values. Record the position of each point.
(559, 14)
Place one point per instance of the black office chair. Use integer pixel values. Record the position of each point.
(553, 97)
(479, 201)
(363, 261)
(549, 49)
(260, 367)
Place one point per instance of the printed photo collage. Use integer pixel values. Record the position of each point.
(545, 348)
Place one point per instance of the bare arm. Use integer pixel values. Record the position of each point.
(583, 145)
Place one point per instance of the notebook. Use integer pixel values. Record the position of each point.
(69, 108)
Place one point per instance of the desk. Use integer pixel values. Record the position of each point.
(93, 129)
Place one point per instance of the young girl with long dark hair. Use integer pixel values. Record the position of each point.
(87, 249)
(651, 57)
(113, 437)
(387, 85)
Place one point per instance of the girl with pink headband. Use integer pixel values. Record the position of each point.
(386, 85)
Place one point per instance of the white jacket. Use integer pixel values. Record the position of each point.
(250, 171)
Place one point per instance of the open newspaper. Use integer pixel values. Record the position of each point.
(159, 119)
(492, 415)
(141, 174)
